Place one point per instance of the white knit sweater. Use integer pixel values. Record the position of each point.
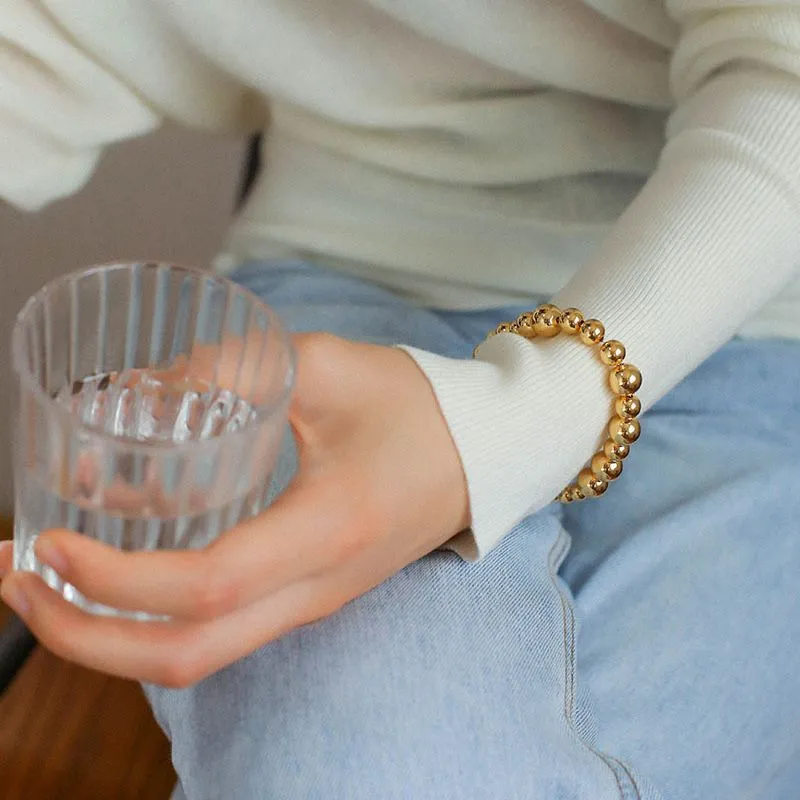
(638, 160)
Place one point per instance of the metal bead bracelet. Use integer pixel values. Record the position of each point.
(624, 379)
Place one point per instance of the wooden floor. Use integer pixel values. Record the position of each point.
(70, 734)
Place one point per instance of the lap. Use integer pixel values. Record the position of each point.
(444, 682)
(685, 580)
(458, 680)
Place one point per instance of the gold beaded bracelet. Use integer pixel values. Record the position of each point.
(625, 379)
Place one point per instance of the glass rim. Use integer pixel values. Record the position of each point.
(265, 412)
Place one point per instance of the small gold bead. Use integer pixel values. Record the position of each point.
(576, 492)
(625, 379)
(592, 331)
(614, 450)
(503, 327)
(571, 494)
(628, 406)
(612, 352)
(608, 468)
(590, 485)
(570, 321)
(546, 319)
(525, 325)
(624, 431)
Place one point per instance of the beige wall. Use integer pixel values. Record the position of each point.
(165, 197)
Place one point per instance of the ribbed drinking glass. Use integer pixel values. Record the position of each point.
(152, 400)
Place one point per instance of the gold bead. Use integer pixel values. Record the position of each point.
(624, 431)
(576, 492)
(625, 379)
(592, 331)
(525, 325)
(570, 321)
(605, 467)
(503, 327)
(590, 485)
(614, 450)
(571, 494)
(628, 406)
(546, 319)
(612, 352)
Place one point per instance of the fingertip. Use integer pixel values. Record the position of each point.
(62, 535)
(69, 543)
(15, 593)
(49, 551)
(30, 581)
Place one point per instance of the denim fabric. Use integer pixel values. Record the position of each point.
(646, 645)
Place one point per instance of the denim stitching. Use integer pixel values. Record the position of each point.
(568, 626)
(626, 770)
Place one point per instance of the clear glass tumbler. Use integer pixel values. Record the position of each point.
(152, 403)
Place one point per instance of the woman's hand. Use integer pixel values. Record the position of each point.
(379, 485)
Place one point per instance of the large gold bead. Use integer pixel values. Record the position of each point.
(590, 485)
(628, 406)
(612, 352)
(546, 320)
(608, 468)
(624, 431)
(525, 325)
(592, 331)
(614, 450)
(570, 321)
(625, 379)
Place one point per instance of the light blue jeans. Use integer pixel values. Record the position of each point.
(642, 646)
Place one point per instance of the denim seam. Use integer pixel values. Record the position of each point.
(568, 626)
(624, 767)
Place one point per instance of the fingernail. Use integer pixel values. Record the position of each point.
(49, 554)
(15, 597)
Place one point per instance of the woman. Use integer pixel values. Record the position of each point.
(434, 170)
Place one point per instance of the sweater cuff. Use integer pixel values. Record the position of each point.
(502, 409)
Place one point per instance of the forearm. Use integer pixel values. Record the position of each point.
(714, 234)
(712, 237)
